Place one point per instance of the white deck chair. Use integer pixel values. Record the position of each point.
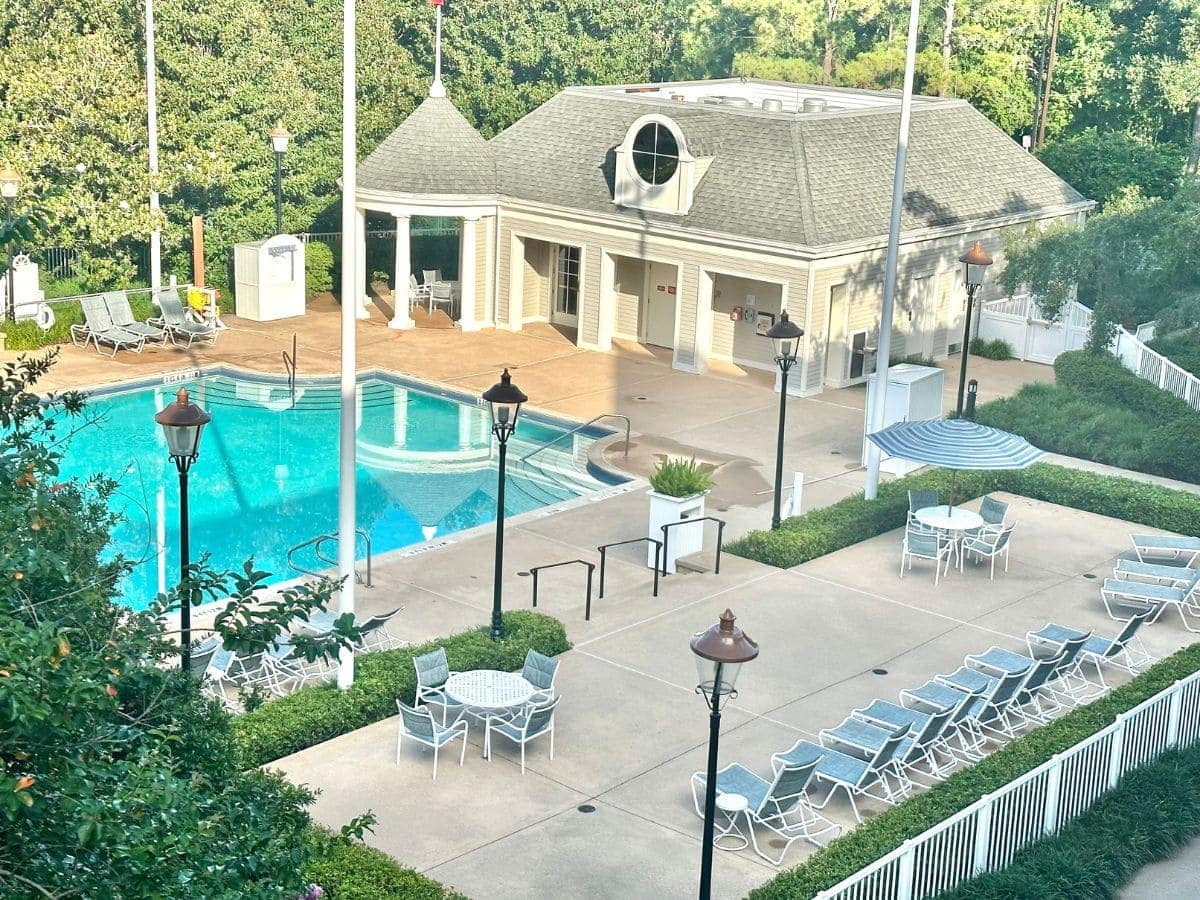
(1181, 549)
(931, 545)
(1156, 597)
(420, 726)
(1124, 651)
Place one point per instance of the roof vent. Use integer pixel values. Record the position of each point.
(712, 101)
(814, 105)
(772, 105)
(737, 101)
(678, 98)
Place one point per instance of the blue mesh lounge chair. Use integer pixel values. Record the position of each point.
(1124, 651)
(530, 724)
(539, 670)
(857, 777)
(420, 726)
(1180, 549)
(432, 672)
(990, 713)
(98, 328)
(173, 319)
(1037, 700)
(932, 545)
(1171, 576)
(930, 732)
(122, 316)
(988, 542)
(376, 634)
(780, 805)
(1156, 597)
(934, 696)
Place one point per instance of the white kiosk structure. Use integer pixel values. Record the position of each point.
(913, 392)
(269, 278)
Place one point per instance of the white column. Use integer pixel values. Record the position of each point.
(360, 263)
(401, 317)
(606, 303)
(516, 283)
(466, 275)
(399, 416)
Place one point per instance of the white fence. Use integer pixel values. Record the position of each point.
(1033, 336)
(1156, 368)
(988, 834)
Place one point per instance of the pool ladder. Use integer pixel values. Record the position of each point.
(289, 366)
(317, 542)
(578, 428)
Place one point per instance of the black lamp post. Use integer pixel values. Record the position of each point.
(785, 342)
(975, 262)
(720, 652)
(10, 186)
(182, 423)
(504, 399)
(279, 142)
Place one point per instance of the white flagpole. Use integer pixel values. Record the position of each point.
(152, 148)
(436, 89)
(351, 291)
(883, 351)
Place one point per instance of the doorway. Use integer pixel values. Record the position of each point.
(565, 308)
(658, 316)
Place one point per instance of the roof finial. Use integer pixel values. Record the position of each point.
(437, 89)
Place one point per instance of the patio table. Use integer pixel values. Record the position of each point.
(484, 691)
(952, 519)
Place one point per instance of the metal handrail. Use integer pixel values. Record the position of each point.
(587, 611)
(289, 366)
(603, 548)
(720, 532)
(316, 542)
(577, 428)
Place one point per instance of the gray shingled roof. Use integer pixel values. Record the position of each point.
(434, 151)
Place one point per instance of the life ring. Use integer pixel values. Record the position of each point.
(45, 317)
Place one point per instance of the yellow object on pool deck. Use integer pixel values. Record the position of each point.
(201, 299)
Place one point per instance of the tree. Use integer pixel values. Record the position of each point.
(1104, 165)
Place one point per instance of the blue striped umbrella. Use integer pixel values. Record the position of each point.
(956, 444)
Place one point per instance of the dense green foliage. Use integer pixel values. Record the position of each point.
(1108, 164)
(855, 519)
(1152, 813)
(1099, 410)
(350, 871)
(307, 717)
(892, 827)
(681, 477)
(1182, 349)
(995, 349)
(27, 335)
(318, 268)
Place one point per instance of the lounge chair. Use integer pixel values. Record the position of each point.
(932, 697)
(1156, 597)
(931, 545)
(921, 500)
(863, 736)
(375, 632)
(1125, 651)
(420, 725)
(173, 319)
(432, 673)
(931, 732)
(1134, 570)
(1173, 547)
(780, 805)
(533, 722)
(987, 542)
(990, 713)
(121, 314)
(1037, 700)
(857, 777)
(98, 328)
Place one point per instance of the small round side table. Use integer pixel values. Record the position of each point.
(732, 805)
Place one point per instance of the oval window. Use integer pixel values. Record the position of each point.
(655, 153)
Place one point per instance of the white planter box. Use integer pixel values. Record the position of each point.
(682, 541)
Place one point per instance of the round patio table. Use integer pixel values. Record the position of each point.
(483, 691)
(951, 519)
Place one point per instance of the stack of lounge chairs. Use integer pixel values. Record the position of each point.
(109, 322)
(1162, 577)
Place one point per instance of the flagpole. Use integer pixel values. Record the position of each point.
(152, 150)
(351, 291)
(436, 89)
(884, 349)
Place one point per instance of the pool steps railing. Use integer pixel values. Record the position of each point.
(578, 428)
(289, 366)
(316, 544)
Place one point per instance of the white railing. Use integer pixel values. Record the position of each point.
(1156, 368)
(988, 834)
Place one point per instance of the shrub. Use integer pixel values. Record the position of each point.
(26, 335)
(313, 715)
(995, 349)
(1173, 449)
(892, 827)
(351, 871)
(318, 268)
(1102, 376)
(681, 478)
(914, 359)
(1181, 349)
(855, 519)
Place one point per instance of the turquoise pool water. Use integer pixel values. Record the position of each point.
(266, 478)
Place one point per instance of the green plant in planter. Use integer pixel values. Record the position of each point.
(681, 478)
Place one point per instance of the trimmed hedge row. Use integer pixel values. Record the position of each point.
(353, 871)
(892, 827)
(1150, 814)
(313, 715)
(1102, 376)
(855, 519)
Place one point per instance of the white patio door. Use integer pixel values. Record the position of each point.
(659, 315)
(566, 287)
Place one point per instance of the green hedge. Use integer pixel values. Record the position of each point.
(1102, 376)
(352, 871)
(855, 519)
(999, 348)
(26, 335)
(313, 715)
(1181, 349)
(1151, 813)
(892, 827)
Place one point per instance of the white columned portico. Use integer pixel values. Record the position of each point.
(466, 275)
(401, 317)
(360, 263)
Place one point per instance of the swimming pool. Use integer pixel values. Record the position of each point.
(266, 478)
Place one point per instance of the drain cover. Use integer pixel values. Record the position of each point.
(641, 398)
(879, 671)
(1089, 575)
(522, 574)
(586, 808)
(835, 452)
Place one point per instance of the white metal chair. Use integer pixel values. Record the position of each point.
(931, 545)
(419, 724)
(1155, 597)
(417, 293)
(432, 673)
(1181, 549)
(535, 721)
(990, 541)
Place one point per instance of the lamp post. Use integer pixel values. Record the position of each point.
(182, 423)
(504, 400)
(720, 652)
(785, 343)
(975, 262)
(279, 142)
(10, 186)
